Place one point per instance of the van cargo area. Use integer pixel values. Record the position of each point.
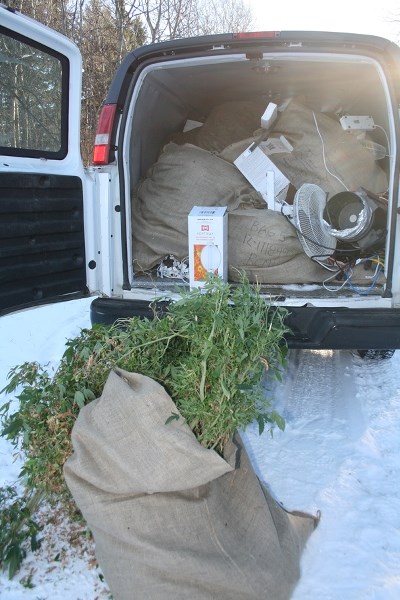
(291, 136)
(327, 138)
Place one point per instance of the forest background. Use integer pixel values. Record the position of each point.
(106, 30)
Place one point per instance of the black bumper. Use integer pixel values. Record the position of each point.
(311, 327)
(344, 328)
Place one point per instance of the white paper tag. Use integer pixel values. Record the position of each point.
(255, 165)
(273, 145)
(191, 124)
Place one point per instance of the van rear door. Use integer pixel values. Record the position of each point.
(42, 180)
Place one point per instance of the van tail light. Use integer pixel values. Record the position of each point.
(102, 143)
(255, 35)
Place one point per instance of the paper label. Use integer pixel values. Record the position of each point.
(254, 164)
(191, 124)
(273, 145)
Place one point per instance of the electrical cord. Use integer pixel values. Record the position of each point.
(365, 291)
(348, 273)
(323, 155)
(387, 138)
(348, 251)
(334, 276)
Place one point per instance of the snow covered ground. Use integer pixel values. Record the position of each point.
(340, 454)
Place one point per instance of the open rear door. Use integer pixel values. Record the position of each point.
(42, 247)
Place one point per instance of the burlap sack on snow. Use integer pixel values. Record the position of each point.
(172, 520)
(346, 158)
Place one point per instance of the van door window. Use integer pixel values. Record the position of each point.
(33, 99)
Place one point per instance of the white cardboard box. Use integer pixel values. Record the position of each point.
(208, 243)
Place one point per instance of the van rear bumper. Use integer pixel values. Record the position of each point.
(344, 328)
(311, 327)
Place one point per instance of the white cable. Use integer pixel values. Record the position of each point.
(323, 155)
(387, 138)
(336, 289)
(348, 273)
(327, 267)
(375, 274)
(389, 155)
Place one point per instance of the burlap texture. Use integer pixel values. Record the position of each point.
(347, 159)
(227, 123)
(187, 175)
(260, 241)
(183, 177)
(263, 244)
(230, 122)
(172, 520)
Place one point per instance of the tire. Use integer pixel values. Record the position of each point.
(376, 354)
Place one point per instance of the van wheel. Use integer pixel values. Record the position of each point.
(376, 354)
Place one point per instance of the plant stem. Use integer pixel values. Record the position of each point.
(204, 362)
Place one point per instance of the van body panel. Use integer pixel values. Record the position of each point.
(69, 230)
(43, 250)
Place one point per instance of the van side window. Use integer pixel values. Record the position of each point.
(33, 99)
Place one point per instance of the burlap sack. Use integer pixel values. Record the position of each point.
(183, 177)
(261, 242)
(227, 123)
(172, 520)
(187, 176)
(265, 246)
(230, 122)
(346, 158)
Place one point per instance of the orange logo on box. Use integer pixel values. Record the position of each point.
(199, 269)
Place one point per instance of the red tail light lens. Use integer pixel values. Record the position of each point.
(101, 150)
(252, 35)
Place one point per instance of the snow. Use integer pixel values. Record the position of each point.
(62, 569)
(338, 454)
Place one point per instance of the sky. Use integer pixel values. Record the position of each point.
(354, 16)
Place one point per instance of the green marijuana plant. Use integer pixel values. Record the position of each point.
(210, 351)
(18, 529)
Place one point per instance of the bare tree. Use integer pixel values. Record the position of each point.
(125, 15)
(154, 13)
(223, 16)
(63, 15)
(109, 32)
(170, 19)
(105, 30)
(180, 15)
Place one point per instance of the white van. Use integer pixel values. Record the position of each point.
(294, 132)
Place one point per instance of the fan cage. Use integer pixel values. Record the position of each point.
(308, 208)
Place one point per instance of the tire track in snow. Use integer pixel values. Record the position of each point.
(340, 453)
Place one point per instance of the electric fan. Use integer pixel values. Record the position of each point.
(357, 219)
(307, 217)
